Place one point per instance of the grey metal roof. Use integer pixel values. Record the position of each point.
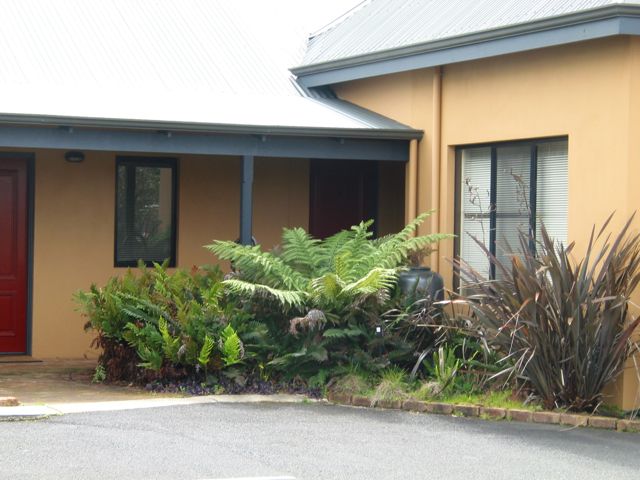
(383, 29)
(215, 65)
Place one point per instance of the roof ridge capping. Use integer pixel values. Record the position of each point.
(617, 10)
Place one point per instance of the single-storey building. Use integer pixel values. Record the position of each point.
(147, 129)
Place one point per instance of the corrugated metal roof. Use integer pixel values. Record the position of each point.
(210, 62)
(380, 25)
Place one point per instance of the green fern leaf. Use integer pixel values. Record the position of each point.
(288, 298)
(231, 346)
(205, 351)
(170, 345)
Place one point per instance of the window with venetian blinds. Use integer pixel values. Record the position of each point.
(506, 189)
(145, 211)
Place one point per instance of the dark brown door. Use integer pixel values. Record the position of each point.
(13, 256)
(343, 193)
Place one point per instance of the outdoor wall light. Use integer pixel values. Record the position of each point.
(74, 156)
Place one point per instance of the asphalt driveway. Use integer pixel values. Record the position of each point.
(306, 441)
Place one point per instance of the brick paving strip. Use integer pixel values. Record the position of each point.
(494, 413)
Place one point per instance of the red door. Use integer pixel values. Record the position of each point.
(343, 193)
(13, 256)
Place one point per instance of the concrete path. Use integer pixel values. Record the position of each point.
(57, 387)
(59, 381)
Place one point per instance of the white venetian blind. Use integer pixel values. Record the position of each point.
(513, 178)
(552, 190)
(513, 197)
(475, 207)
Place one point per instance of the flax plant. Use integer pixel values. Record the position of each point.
(564, 325)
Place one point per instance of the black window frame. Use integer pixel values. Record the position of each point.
(162, 162)
(533, 194)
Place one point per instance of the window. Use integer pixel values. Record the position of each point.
(508, 188)
(145, 210)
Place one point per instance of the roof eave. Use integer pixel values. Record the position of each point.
(351, 68)
(210, 128)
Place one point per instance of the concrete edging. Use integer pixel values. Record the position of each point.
(494, 413)
(37, 412)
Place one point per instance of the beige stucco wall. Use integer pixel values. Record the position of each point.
(74, 228)
(589, 92)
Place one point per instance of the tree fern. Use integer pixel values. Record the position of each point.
(325, 274)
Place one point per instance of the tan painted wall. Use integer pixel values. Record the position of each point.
(74, 228)
(589, 92)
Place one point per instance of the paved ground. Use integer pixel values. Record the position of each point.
(59, 381)
(306, 441)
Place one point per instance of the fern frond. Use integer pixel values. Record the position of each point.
(331, 246)
(259, 266)
(328, 286)
(205, 351)
(151, 359)
(377, 279)
(392, 251)
(170, 345)
(287, 298)
(231, 346)
(300, 251)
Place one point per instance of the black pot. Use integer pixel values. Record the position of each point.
(421, 282)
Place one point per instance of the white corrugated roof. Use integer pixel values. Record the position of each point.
(215, 62)
(380, 25)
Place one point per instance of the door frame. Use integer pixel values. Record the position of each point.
(29, 159)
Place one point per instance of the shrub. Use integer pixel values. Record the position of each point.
(563, 323)
(171, 324)
(322, 299)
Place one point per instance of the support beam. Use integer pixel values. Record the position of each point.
(178, 143)
(246, 201)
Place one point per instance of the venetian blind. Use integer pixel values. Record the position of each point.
(552, 190)
(475, 207)
(144, 213)
(513, 178)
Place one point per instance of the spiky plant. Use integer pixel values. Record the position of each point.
(392, 386)
(563, 323)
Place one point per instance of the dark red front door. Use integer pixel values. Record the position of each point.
(343, 193)
(13, 256)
